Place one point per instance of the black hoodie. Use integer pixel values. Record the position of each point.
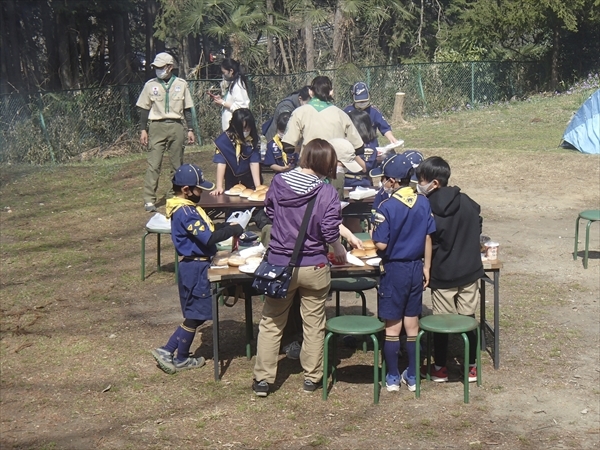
(456, 255)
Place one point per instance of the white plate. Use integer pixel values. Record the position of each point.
(354, 260)
(248, 268)
(232, 193)
(374, 261)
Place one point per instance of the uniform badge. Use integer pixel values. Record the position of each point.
(368, 151)
(177, 88)
(154, 90)
(378, 218)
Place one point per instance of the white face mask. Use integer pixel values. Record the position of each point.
(424, 189)
(162, 73)
(246, 134)
(341, 169)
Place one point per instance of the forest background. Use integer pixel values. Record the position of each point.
(97, 54)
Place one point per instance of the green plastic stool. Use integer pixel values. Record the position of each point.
(357, 285)
(354, 325)
(448, 324)
(591, 215)
(158, 232)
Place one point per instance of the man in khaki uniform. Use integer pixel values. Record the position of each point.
(164, 103)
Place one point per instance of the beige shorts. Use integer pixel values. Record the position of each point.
(459, 300)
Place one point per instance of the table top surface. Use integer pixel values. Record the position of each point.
(226, 201)
(232, 273)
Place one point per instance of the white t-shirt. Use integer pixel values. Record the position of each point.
(237, 97)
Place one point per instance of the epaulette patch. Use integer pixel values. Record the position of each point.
(368, 151)
(378, 219)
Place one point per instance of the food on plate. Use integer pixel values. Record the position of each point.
(237, 189)
(358, 253)
(371, 253)
(258, 196)
(262, 187)
(236, 260)
(246, 192)
(220, 260)
(368, 244)
(253, 260)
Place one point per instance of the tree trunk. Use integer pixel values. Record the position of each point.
(13, 54)
(309, 41)
(84, 51)
(50, 44)
(64, 57)
(193, 51)
(117, 50)
(73, 52)
(270, 43)
(338, 33)
(283, 56)
(153, 45)
(555, 53)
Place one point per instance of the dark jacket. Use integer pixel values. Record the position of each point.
(456, 254)
(286, 209)
(288, 104)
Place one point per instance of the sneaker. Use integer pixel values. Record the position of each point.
(472, 374)
(392, 383)
(410, 382)
(150, 207)
(439, 376)
(188, 363)
(260, 388)
(311, 386)
(164, 359)
(292, 351)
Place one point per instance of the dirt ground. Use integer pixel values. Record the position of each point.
(77, 374)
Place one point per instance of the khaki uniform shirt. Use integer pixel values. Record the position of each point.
(162, 106)
(306, 124)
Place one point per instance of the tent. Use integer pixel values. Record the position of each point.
(583, 131)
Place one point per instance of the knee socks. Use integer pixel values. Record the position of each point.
(391, 347)
(411, 349)
(181, 340)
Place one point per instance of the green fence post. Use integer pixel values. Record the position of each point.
(420, 85)
(472, 83)
(369, 77)
(196, 125)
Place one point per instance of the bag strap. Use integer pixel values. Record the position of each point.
(302, 231)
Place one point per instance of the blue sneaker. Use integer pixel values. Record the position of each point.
(164, 359)
(410, 382)
(392, 383)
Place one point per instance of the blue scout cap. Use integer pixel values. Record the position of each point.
(191, 175)
(395, 166)
(415, 157)
(360, 92)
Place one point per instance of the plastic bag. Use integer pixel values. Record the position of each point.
(159, 222)
(241, 217)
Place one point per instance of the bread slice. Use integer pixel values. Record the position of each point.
(262, 187)
(368, 244)
(238, 188)
(236, 260)
(246, 193)
(358, 253)
(258, 196)
(371, 253)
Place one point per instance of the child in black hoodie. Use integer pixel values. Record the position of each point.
(456, 265)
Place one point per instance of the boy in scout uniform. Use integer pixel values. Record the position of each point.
(163, 104)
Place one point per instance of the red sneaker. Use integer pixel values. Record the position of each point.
(472, 374)
(439, 376)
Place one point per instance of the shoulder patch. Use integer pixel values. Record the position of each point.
(378, 218)
(368, 151)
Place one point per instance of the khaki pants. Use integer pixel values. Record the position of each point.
(459, 300)
(313, 285)
(163, 136)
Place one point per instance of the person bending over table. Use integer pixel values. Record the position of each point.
(237, 154)
(285, 205)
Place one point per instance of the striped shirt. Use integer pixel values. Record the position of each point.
(301, 183)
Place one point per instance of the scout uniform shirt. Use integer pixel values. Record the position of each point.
(191, 228)
(275, 154)
(237, 155)
(379, 122)
(402, 222)
(165, 100)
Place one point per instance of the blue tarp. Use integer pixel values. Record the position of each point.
(583, 131)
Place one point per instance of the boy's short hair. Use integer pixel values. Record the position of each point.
(434, 168)
(282, 121)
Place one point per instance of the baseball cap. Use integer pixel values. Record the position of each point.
(415, 158)
(162, 59)
(345, 154)
(191, 175)
(360, 92)
(394, 166)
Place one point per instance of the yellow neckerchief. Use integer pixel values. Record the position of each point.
(279, 144)
(238, 146)
(173, 204)
(406, 195)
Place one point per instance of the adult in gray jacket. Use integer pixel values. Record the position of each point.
(288, 104)
(285, 205)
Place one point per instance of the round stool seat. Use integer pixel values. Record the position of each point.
(352, 284)
(590, 214)
(355, 325)
(448, 323)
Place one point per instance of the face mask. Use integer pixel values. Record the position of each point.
(246, 134)
(193, 198)
(341, 169)
(162, 73)
(424, 189)
(388, 191)
(361, 105)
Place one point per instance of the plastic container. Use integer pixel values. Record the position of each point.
(492, 250)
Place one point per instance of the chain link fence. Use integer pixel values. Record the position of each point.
(58, 126)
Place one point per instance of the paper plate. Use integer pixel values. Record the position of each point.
(246, 268)
(354, 260)
(374, 261)
(230, 193)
